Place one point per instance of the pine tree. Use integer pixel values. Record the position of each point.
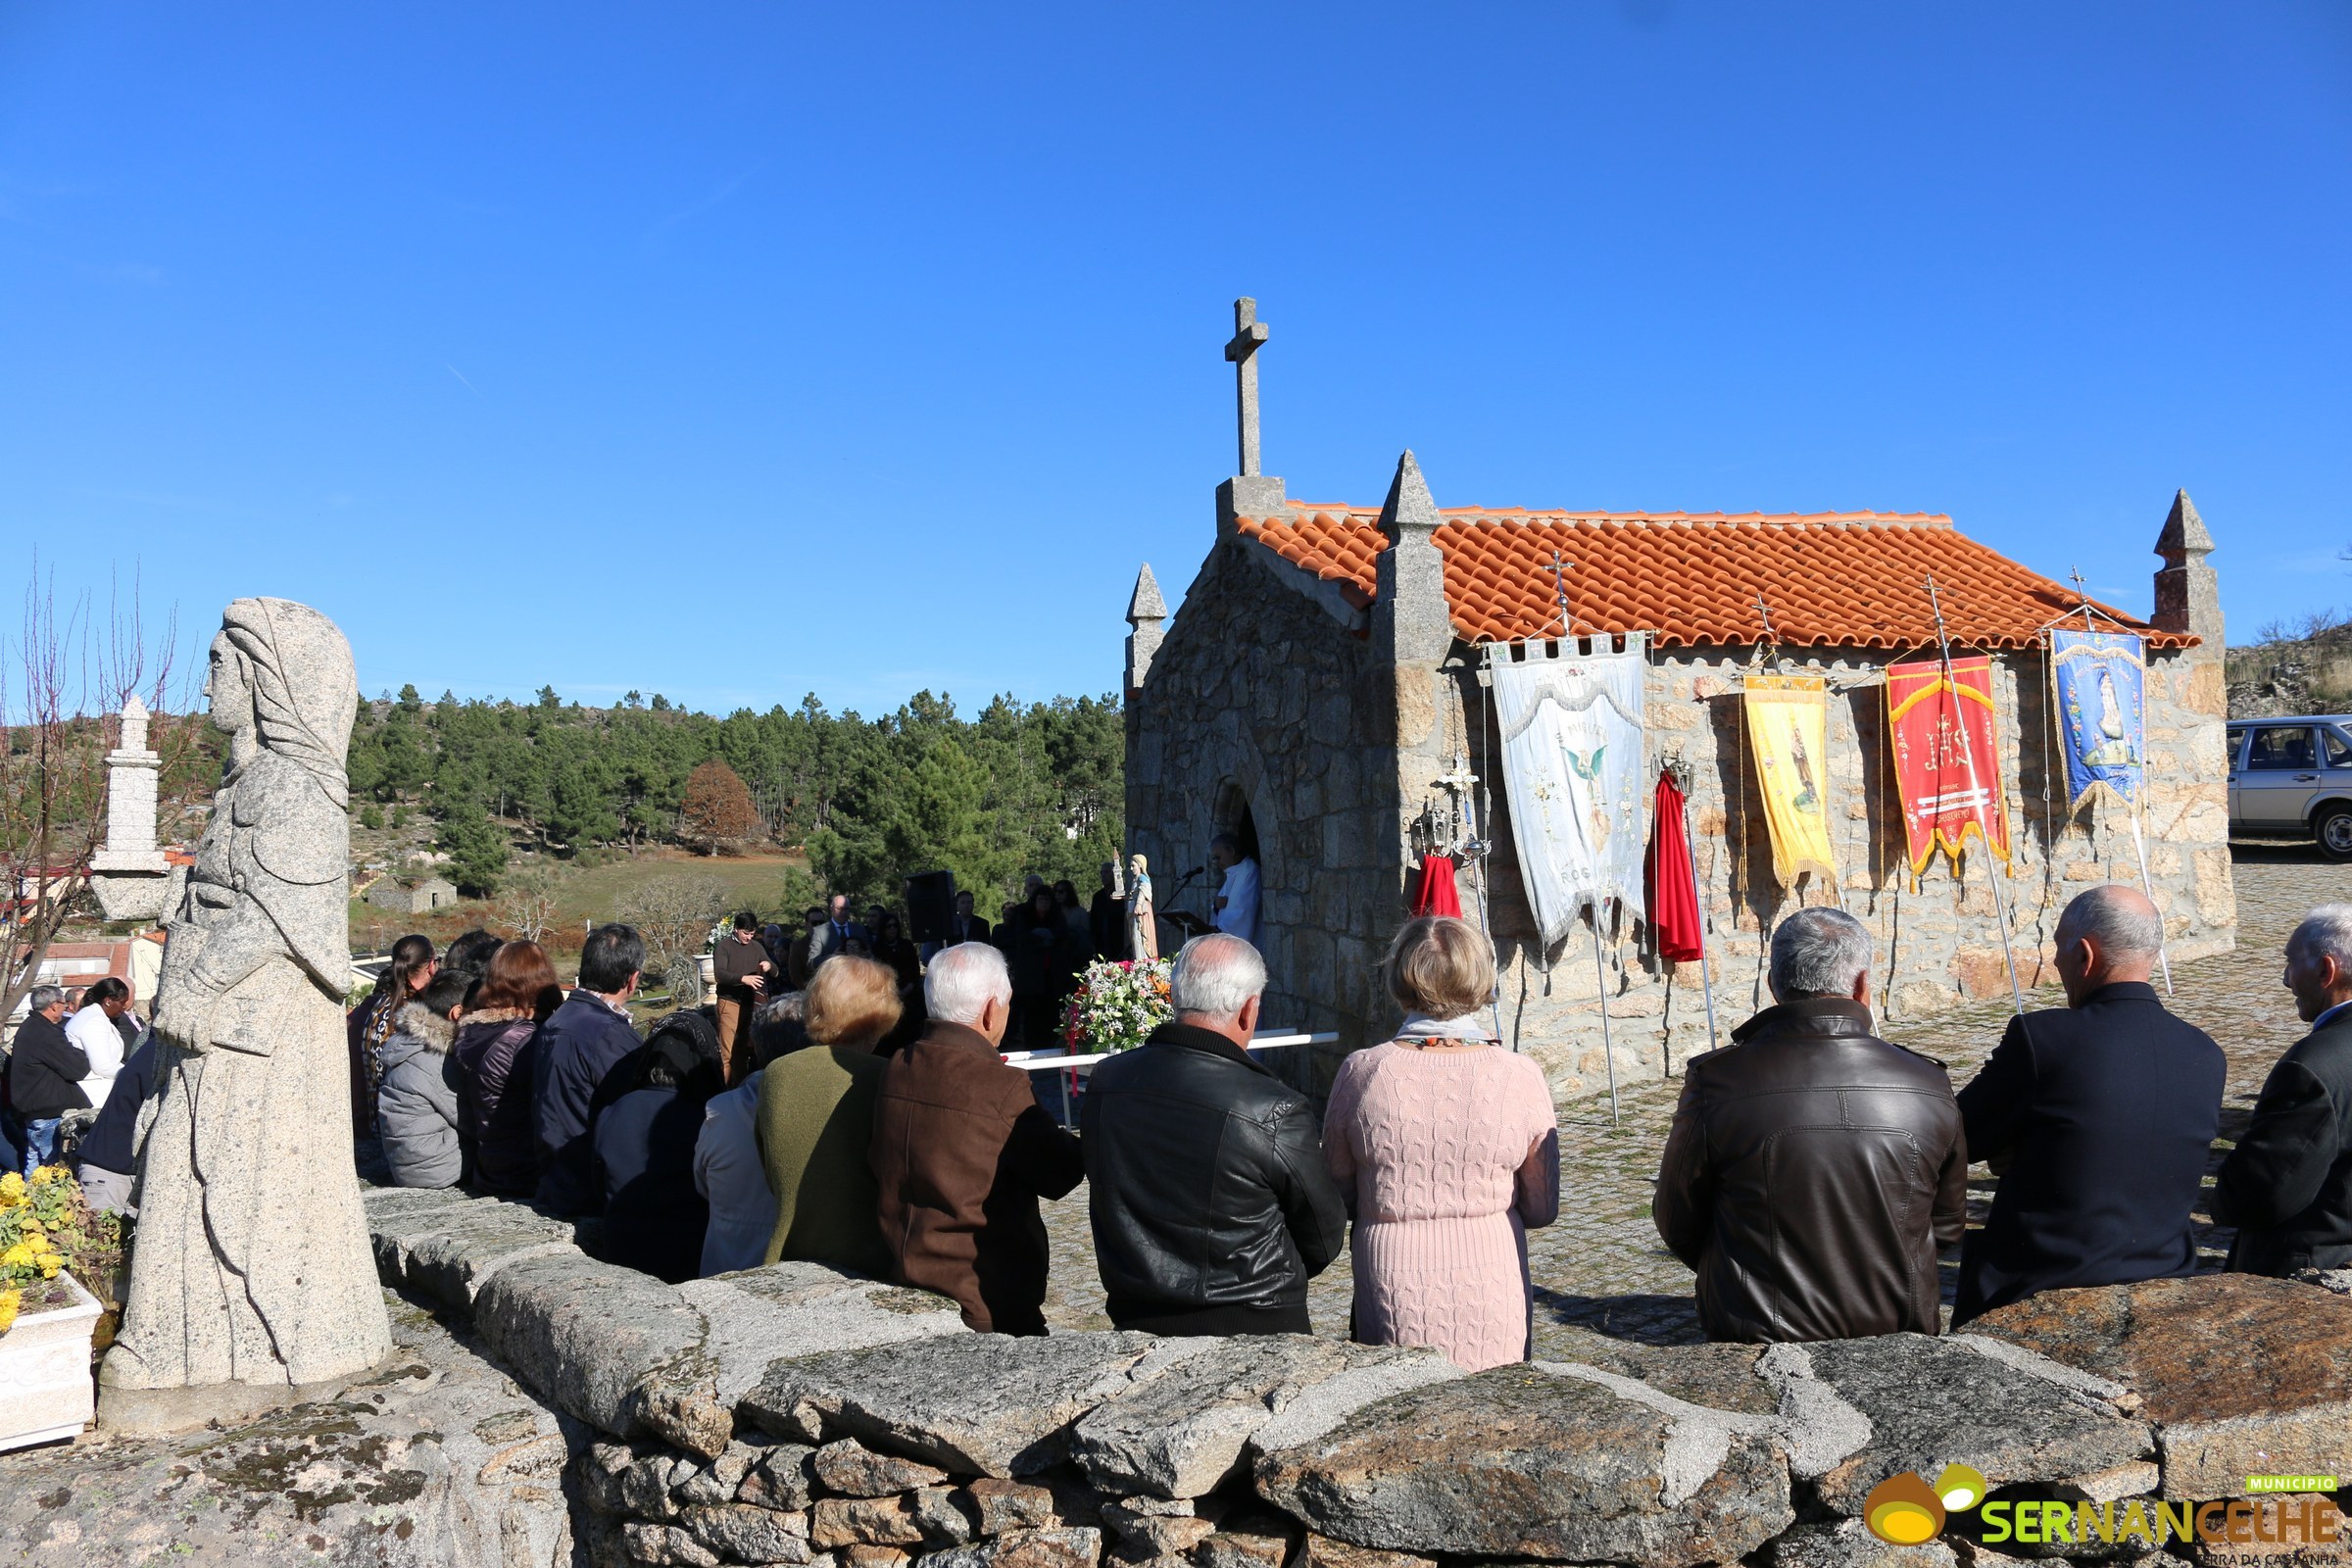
(476, 848)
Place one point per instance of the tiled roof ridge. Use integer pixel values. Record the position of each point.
(1865, 518)
(1835, 579)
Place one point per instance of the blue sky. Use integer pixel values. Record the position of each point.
(740, 350)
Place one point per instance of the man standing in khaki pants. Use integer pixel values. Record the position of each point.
(742, 966)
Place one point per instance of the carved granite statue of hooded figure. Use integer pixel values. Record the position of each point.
(252, 1264)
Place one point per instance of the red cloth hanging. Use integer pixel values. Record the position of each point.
(1666, 874)
(1436, 894)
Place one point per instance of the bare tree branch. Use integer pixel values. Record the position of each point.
(53, 759)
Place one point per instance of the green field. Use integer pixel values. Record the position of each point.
(753, 882)
(586, 894)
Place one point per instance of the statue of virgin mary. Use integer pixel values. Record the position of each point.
(253, 1275)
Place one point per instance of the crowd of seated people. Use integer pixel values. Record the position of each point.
(1812, 1174)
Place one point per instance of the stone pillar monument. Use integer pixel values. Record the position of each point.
(1413, 633)
(2189, 594)
(130, 874)
(1146, 611)
(253, 1284)
(2194, 796)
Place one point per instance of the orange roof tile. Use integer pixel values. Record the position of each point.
(1838, 579)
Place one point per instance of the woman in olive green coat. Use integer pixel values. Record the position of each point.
(816, 1117)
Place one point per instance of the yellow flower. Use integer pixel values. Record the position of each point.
(50, 1265)
(10, 1301)
(43, 1175)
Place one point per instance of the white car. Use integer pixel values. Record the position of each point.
(2292, 778)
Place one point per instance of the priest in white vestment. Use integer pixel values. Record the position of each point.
(1236, 903)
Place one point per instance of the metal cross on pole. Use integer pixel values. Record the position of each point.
(1699, 898)
(1249, 333)
(1559, 593)
(1772, 639)
(2082, 598)
(1968, 758)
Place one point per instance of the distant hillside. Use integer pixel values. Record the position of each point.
(1021, 788)
(2306, 668)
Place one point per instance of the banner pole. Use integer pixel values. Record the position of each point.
(2140, 848)
(1968, 753)
(1999, 875)
(1706, 980)
(1601, 976)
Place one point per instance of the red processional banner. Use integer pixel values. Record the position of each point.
(1947, 758)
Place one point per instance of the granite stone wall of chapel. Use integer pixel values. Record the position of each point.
(1936, 938)
(1272, 688)
(1260, 694)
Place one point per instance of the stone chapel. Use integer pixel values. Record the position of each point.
(1321, 692)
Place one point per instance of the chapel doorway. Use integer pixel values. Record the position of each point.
(1233, 815)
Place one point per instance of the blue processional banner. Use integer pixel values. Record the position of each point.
(2102, 686)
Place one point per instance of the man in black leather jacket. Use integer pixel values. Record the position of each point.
(1211, 1204)
(2287, 1185)
(1813, 1168)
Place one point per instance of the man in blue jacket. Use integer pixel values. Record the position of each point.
(581, 1041)
(2287, 1185)
(2097, 1119)
(107, 1161)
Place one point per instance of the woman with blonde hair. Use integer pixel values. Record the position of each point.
(1447, 1150)
(816, 1118)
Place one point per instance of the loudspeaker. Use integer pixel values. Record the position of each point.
(931, 907)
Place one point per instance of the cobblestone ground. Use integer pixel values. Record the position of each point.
(1600, 1269)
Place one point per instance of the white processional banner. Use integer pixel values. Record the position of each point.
(1574, 773)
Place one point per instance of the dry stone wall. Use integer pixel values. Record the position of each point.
(795, 1415)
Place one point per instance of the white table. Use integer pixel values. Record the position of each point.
(1051, 1060)
(1048, 1060)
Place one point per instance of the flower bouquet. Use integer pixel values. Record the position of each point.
(46, 1228)
(1117, 1003)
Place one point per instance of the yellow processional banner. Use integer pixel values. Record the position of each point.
(1788, 734)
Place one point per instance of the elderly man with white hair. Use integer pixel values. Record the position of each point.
(1205, 1178)
(1813, 1168)
(2097, 1118)
(2287, 1185)
(961, 1153)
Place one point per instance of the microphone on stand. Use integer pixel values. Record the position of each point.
(1183, 919)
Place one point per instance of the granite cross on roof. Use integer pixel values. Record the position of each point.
(1247, 333)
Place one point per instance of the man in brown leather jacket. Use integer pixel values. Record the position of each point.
(961, 1153)
(1813, 1168)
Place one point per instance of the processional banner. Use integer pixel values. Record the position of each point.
(2102, 690)
(1788, 733)
(1947, 759)
(1574, 773)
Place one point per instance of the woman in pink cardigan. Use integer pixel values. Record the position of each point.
(1446, 1148)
